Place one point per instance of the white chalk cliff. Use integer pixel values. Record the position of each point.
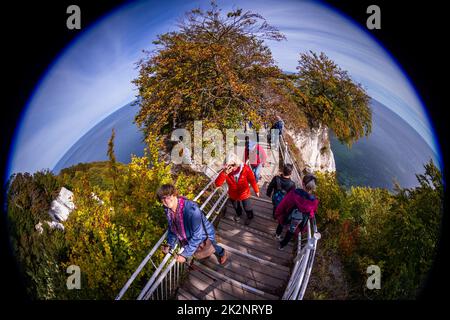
(62, 206)
(313, 145)
(60, 210)
(315, 149)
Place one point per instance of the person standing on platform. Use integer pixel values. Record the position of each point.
(238, 176)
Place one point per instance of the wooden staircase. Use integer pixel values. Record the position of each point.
(255, 269)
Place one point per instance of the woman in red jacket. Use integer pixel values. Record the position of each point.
(238, 177)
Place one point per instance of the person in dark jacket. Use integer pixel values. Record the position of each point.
(279, 124)
(295, 209)
(187, 224)
(280, 186)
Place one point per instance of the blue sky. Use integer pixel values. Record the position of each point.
(92, 77)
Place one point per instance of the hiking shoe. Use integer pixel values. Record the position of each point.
(247, 221)
(280, 248)
(278, 236)
(223, 259)
(236, 218)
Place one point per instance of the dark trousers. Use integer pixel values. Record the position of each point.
(247, 207)
(287, 237)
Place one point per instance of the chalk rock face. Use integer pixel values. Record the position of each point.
(62, 206)
(39, 228)
(315, 149)
(52, 225)
(313, 144)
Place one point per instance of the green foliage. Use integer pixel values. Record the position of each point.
(330, 97)
(398, 232)
(117, 220)
(29, 198)
(333, 200)
(418, 212)
(99, 247)
(97, 173)
(109, 239)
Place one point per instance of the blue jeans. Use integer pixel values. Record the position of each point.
(219, 250)
(257, 171)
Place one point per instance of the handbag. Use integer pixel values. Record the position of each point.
(206, 248)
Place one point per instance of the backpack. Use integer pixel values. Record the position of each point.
(297, 219)
(279, 193)
(299, 216)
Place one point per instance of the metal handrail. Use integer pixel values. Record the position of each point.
(304, 258)
(287, 158)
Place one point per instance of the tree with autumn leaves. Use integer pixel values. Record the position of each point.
(218, 69)
(330, 97)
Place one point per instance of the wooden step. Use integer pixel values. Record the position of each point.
(264, 244)
(248, 292)
(210, 285)
(256, 223)
(233, 224)
(198, 287)
(231, 242)
(248, 275)
(262, 216)
(264, 205)
(259, 261)
(185, 295)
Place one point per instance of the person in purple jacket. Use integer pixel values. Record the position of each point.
(187, 224)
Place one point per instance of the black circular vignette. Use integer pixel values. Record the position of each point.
(35, 34)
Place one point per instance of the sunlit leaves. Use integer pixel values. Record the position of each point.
(332, 98)
(215, 68)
